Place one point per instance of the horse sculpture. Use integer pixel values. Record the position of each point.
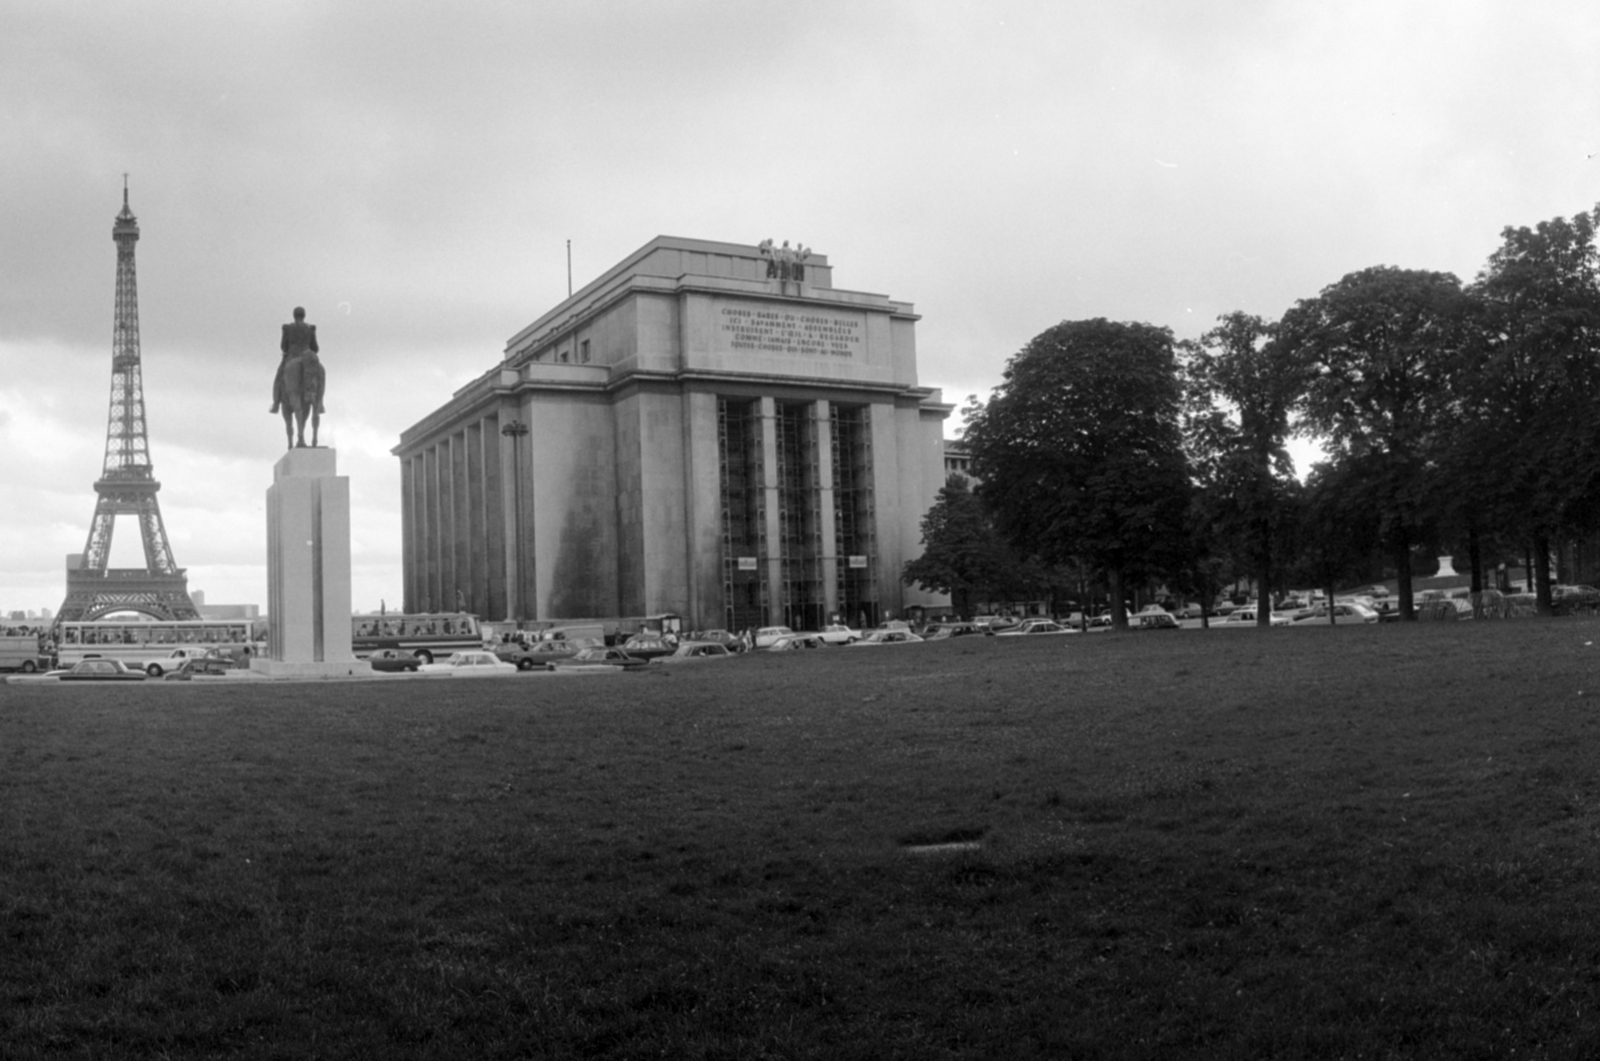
(297, 389)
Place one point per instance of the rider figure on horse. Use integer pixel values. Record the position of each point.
(297, 389)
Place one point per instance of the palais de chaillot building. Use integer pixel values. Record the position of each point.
(711, 430)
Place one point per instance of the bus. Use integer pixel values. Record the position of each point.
(423, 635)
(157, 646)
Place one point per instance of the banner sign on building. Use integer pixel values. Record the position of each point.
(858, 561)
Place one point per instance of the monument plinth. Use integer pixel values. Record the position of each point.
(308, 569)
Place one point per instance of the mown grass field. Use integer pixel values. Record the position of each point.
(1341, 842)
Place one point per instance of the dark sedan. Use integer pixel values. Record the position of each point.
(648, 646)
(534, 656)
(393, 660)
(597, 659)
(102, 670)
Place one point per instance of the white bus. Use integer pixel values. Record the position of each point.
(157, 646)
(426, 636)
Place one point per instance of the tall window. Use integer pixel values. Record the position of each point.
(743, 521)
(799, 504)
(854, 539)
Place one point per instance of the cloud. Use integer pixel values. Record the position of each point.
(411, 175)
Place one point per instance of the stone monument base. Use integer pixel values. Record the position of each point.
(308, 570)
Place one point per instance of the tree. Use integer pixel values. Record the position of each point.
(961, 554)
(1339, 527)
(1378, 349)
(1239, 393)
(1531, 393)
(1079, 453)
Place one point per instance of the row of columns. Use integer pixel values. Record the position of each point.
(771, 499)
(456, 521)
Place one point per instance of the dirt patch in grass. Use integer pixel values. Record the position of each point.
(1306, 843)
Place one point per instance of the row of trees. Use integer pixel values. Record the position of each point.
(1450, 413)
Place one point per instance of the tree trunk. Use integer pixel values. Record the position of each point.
(1541, 574)
(1329, 590)
(1475, 558)
(1402, 568)
(1264, 579)
(1119, 614)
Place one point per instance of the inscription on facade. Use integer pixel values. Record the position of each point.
(767, 331)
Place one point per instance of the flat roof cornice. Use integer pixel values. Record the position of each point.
(627, 277)
(491, 388)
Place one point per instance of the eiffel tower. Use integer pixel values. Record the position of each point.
(126, 486)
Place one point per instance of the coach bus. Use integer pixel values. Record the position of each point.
(435, 634)
(156, 646)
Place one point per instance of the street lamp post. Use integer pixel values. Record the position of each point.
(516, 430)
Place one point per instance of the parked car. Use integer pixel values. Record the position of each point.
(597, 659)
(1031, 627)
(476, 663)
(101, 670)
(393, 660)
(1160, 620)
(1343, 612)
(648, 646)
(534, 656)
(1453, 604)
(945, 631)
(838, 634)
(196, 666)
(793, 641)
(766, 635)
(1192, 610)
(1247, 617)
(1574, 598)
(728, 640)
(696, 652)
(888, 637)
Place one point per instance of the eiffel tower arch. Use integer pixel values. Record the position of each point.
(127, 485)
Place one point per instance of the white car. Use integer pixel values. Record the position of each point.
(1037, 626)
(1343, 613)
(887, 637)
(794, 641)
(1247, 617)
(474, 664)
(838, 634)
(766, 635)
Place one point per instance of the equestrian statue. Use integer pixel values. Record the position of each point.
(297, 388)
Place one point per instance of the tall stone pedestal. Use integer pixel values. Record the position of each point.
(308, 569)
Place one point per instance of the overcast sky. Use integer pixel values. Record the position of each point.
(411, 172)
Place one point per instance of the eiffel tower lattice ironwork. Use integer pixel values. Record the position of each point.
(126, 485)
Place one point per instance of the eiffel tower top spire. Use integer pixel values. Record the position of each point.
(127, 485)
(127, 448)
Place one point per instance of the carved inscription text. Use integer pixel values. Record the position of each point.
(767, 331)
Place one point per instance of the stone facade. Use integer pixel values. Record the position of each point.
(684, 435)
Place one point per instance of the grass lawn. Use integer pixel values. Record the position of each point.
(1351, 842)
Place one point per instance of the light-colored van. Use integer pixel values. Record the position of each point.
(22, 653)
